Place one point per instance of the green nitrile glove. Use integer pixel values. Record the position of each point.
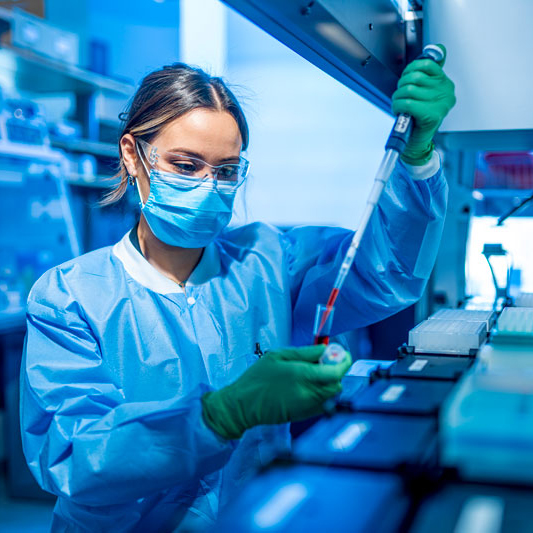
(282, 386)
(427, 94)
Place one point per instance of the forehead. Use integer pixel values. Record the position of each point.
(205, 131)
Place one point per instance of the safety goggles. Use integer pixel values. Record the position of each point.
(195, 170)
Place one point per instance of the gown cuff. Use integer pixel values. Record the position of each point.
(423, 172)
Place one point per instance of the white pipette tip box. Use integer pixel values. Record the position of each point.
(454, 337)
(489, 317)
(515, 325)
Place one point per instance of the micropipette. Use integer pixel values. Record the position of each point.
(398, 138)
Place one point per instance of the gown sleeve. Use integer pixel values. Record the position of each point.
(81, 438)
(391, 268)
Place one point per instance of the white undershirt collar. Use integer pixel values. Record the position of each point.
(147, 275)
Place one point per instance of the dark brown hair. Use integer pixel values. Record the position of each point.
(167, 94)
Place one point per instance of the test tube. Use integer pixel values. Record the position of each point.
(323, 322)
(334, 354)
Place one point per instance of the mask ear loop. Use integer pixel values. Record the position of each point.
(146, 170)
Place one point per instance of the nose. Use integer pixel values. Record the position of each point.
(209, 174)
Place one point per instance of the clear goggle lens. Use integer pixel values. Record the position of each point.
(227, 174)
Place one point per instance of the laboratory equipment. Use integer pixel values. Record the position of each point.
(367, 57)
(524, 299)
(24, 123)
(323, 322)
(65, 130)
(29, 31)
(37, 237)
(501, 266)
(430, 367)
(365, 367)
(467, 315)
(515, 325)
(514, 210)
(37, 214)
(475, 126)
(469, 508)
(364, 440)
(33, 195)
(505, 358)
(403, 396)
(504, 170)
(302, 498)
(82, 168)
(395, 145)
(39, 232)
(487, 427)
(358, 377)
(334, 354)
(453, 337)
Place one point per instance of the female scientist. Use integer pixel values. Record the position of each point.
(144, 407)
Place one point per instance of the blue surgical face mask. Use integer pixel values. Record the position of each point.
(185, 216)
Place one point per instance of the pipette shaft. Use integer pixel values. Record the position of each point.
(396, 143)
(383, 175)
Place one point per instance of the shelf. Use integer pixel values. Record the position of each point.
(25, 151)
(86, 147)
(12, 319)
(36, 73)
(98, 182)
(505, 193)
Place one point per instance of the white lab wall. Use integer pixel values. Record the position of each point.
(203, 34)
(314, 145)
(490, 45)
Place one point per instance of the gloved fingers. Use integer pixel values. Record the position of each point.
(309, 354)
(346, 364)
(324, 374)
(406, 105)
(414, 92)
(428, 66)
(426, 114)
(329, 390)
(322, 393)
(316, 401)
(420, 79)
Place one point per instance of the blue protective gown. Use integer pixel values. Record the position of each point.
(117, 356)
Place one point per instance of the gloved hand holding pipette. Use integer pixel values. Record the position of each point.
(423, 98)
(426, 94)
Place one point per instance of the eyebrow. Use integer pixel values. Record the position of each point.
(190, 153)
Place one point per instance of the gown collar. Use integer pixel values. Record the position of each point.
(147, 275)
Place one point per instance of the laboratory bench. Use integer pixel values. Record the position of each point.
(438, 440)
(428, 442)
